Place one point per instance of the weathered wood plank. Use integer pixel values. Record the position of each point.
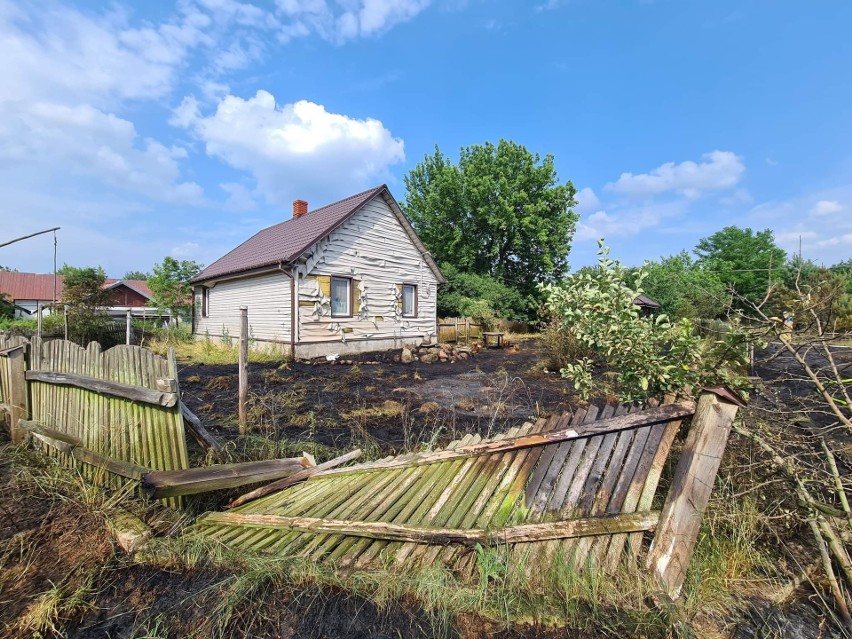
(426, 535)
(281, 484)
(115, 389)
(170, 483)
(71, 445)
(18, 399)
(689, 494)
(624, 422)
(198, 432)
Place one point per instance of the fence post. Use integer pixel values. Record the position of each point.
(127, 331)
(38, 312)
(65, 314)
(19, 404)
(467, 331)
(243, 368)
(680, 519)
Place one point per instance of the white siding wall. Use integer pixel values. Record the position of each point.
(372, 248)
(267, 298)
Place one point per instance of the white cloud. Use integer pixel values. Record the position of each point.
(62, 54)
(187, 250)
(85, 141)
(342, 21)
(718, 170)
(827, 207)
(587, 201)
(625, 221)
(240, 199)
(740, 196)
(838, 240)
(299, 145)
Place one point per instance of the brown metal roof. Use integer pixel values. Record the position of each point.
(286, 241)
(39, 286)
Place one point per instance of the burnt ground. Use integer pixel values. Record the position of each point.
(374, 401)
(51, 541)
(62, 575)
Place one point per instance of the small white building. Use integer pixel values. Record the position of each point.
(349, 277)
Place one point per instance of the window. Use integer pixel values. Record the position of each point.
(409, 300)
(201, 301)
(341, 297)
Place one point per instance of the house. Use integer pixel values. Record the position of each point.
(646, 304)
(29, 290)
(349, 277)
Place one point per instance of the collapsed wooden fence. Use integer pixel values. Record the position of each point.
(579, 487)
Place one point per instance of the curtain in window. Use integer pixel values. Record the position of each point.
(408, 293)
(339, 296)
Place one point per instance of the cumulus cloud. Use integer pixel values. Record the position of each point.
(342, 21)
(826, 207)
(85, 141)
(293, 145)
(626, 221)
(717, 171)
(587, 201)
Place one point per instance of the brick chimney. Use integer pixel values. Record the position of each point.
(300, 207)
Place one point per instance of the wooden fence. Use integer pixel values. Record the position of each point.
(580, 486)
(458, 329)
(464, 329)
(116, 415)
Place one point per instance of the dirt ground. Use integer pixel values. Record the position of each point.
(392, 405)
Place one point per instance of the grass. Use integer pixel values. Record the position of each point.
(204, 351)
(503, 594)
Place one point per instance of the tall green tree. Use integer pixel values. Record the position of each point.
(464, 295)
(683, 288)
(84, 293)
(744, 260)
(76, 271)
(500, 212)
(137, 275)
(170, 285)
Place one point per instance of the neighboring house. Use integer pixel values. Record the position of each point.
(28, 290)
(348, 277)
(646, 304)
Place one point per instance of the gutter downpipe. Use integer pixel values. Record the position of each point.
(293, 308)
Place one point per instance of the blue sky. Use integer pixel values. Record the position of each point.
(181, 128)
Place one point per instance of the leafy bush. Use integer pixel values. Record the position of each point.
(684, 289)
(466, 294)
(651, 355)
(559, 346)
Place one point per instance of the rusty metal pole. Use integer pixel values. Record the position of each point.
(243, 369)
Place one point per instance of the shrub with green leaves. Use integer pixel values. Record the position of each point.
(650, 355)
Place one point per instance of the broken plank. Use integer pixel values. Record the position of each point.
(71, 445)
(302, 475)
(689, 494)
(198, 432)
(603, 426)
(171, 483)
(423, 535)
(114, 389)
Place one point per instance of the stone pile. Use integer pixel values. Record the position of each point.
(432, 353)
